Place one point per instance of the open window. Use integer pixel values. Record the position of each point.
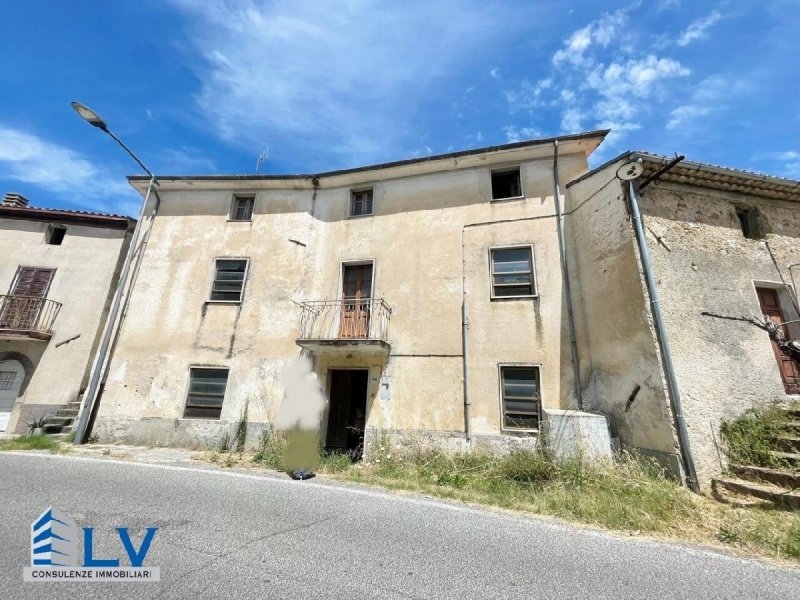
(520, 399)
(752, 222)
(55, 234)
(206, 393)
(242, 208)
(512, 272)
(229, 278)
(506, 184)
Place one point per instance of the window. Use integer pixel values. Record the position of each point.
(206, 393)
(520, 397)
(7, 380)
(752, 222)
(361, 203)
(512, 272)
(242, 208)
(31, 281)
(55, 234)
(506, 184)
(229, 277)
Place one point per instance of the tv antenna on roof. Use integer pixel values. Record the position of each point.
(262, 158)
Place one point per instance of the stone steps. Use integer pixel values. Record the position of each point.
(790, 458)
(787, 443)
(750, 489)
(780, 477)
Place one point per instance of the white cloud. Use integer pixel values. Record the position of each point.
(572, 120)
(708, 98)
(30, 159)
(495, 73)
(337, 75)
(788, 163)
(518, 134)
(698, 29)
(600, 32)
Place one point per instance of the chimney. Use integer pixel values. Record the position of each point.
(14, 199)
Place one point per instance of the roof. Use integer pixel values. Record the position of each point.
(709, 176)
(593, 137)
(83, 217)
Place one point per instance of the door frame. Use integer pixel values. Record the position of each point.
(328, 384)
(356, 263)
(777, 286)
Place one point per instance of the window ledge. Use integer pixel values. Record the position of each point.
(521, 432)
(507, 199)
(504, 298)
(239, 220)
(360, 216)
(222, 302)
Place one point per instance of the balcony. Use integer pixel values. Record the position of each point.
(358, 326)
(27, 317)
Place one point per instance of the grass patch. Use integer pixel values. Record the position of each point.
(750, 438)
(31, 442)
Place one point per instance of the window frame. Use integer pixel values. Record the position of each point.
(494, 172)
(214, 262)
(189, 389)
(517, 365)
(353, 193)
(51, 229)
(534, 282)
(232, 210)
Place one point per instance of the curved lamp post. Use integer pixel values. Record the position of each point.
(101, 359)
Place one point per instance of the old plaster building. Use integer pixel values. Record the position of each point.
(463, 299)
(58, 269)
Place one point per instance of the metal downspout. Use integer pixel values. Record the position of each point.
(661, 333)
(464, 360)
(562, 249)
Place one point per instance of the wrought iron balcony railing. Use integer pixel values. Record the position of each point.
(27, 316)
(365, 318)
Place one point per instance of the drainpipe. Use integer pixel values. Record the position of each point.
(661, 333)
(794, 285)
(562, 249)
(464, 360)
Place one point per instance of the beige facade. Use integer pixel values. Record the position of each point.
(427, 370)
(47, 339)
(429, 240)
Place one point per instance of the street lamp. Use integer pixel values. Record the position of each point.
(102, 357)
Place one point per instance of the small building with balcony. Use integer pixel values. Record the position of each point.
(58, 271)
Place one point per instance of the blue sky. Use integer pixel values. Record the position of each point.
(206, 86)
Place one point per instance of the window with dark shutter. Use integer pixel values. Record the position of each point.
(506, 185)
(512, 272)
(206, 393)
(31, 281)
(229, 275)
(520, 396)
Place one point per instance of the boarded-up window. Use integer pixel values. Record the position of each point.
(242, 208)
(512, 272)
(520, 397)
(31, 281)
(361, 203)
(206, 393)
(229, 280)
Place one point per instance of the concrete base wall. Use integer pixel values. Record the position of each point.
(571, 434)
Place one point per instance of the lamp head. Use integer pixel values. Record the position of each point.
(88, 115)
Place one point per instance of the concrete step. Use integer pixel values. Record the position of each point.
(789, 479)
(67, 412)
(58, 420)
(763, 491)
(787, 443)
(64, 436)
(790, 458)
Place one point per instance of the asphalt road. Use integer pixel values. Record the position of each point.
(225, 534)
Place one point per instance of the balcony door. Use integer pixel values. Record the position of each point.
(356, 301)
(789, 368)
(21, 308)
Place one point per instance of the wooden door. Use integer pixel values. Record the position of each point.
(26, 297)
(790, 370)
(11, 375)
(356, 301)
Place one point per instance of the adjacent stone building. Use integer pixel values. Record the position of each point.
(58, 269)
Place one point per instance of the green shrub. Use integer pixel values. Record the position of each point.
(750, 437)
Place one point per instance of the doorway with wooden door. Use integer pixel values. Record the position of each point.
(769, 299)
(356, 300)
(347, 411)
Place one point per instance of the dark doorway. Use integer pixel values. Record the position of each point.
(347, 411)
